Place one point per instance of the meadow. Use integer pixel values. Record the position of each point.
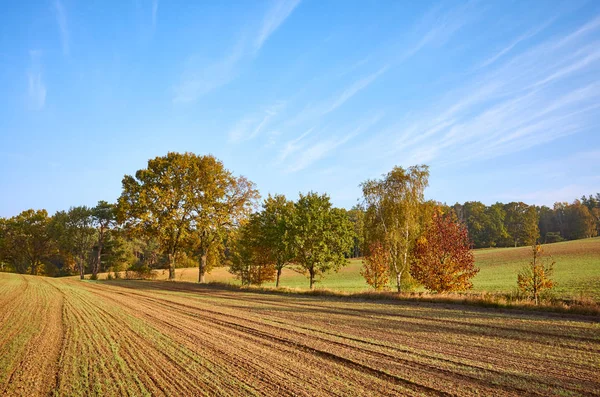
(576, 272)
(67, 337)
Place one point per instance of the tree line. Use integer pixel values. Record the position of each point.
(187, 210)
(518, 224)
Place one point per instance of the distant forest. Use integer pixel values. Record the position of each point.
(514, 224)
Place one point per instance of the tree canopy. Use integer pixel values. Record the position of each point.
(321, 235)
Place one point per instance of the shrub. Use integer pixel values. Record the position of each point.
(534, 279)
(553, 237)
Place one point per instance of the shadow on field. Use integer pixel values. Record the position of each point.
(302, 297)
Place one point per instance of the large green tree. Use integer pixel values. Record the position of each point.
(185, 202)
(76, 235)
(274, 224)
(393, 204)
(221, 203)
(251, 260)
(521, 222)
(321, 235)
(25, 241)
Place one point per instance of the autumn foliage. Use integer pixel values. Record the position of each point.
(535, 278)
(443, 261)
(375, 268)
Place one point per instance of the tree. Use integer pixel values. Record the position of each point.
(496, 233)
(74, 230)
(273, 231)
(477, 222)
(443, 260)
(536, 277)
(376, 268)
(393, 204)
(157, 203)
(521, 223)
(103, 216)
(581, 222)
(26, 242)
(357, 217)
(185, 202)
(321, 235)
(251, 260)
(221, 203)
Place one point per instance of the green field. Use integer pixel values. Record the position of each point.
(577, 271)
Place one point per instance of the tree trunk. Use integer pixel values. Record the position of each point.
(202, 268)
(33, 269)
(96, 267)
(171, 267)
(312, 278)
(81, 273)
(278, 275)
(398, 281)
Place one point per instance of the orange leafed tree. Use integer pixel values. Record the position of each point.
(535, 278)
(443, 261)
(376, 266)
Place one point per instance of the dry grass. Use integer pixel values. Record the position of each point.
(66, 337)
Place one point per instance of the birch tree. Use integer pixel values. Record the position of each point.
(393, 204)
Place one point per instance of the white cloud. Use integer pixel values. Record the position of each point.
(249, 127)
(547, 92)
(36, 88)
(306, 155)
(202, 77)
(353, 89)
(154, 12)
(61, 19)
(527, 35)
(273, 19)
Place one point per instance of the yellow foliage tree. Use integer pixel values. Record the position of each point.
(535, 277)
(375, 268)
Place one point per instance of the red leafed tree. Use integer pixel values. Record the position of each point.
(443, 258)
(376, 266)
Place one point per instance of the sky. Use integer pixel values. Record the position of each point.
(500, 98)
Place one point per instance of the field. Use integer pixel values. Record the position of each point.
(577, 271)
(68, 337)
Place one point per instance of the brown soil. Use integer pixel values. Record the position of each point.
(159, 338)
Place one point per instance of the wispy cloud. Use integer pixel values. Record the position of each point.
(544, 93)
(307, 154)
(154, 12)
(202, 78)
(294, 145)
(250, 127)
(353, 89)
(273, 19)
(61, 19)
(527, 35)
(437, 27)
(36, 88)
(199, 80)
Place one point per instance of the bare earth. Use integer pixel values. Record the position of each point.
(67, 337)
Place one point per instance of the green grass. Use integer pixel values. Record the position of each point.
(576, 272)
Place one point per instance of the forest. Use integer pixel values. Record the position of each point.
(187, 210)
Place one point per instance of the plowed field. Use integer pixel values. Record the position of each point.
(67, 337)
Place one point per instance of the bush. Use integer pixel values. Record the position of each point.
(140, 271)
(553, 237)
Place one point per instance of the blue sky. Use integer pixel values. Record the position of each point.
(500, 98)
